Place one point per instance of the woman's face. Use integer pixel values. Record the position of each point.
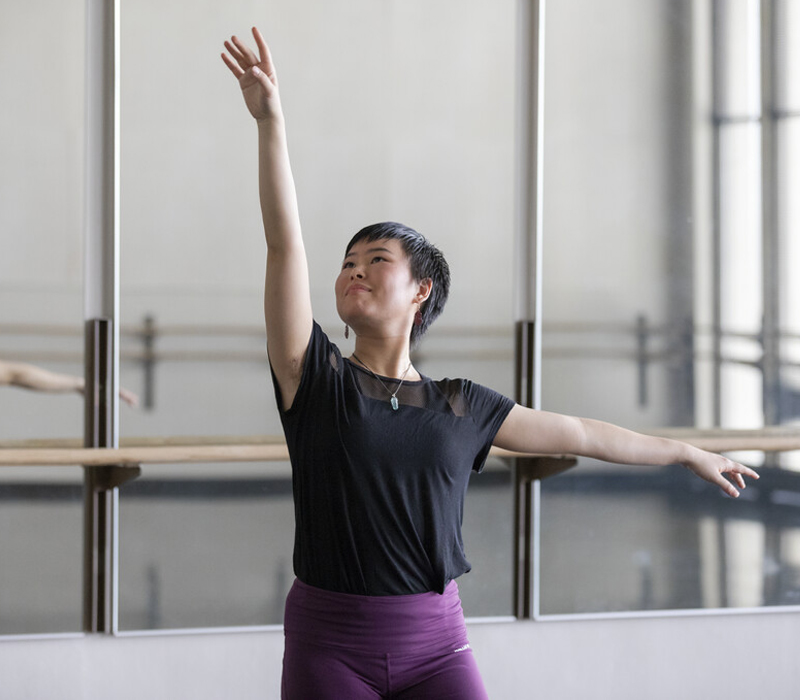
(375, 288)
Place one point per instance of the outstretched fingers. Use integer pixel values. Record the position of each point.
(256, 75)
(736, 472)
(741, 471)
(233, 65)
(240, 59)
(239, 53)
(244, 54)
(264, 54)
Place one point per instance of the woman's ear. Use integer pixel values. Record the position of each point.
(424, 291)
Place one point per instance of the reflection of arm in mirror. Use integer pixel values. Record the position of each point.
(287, 296)
(32, 377)
(527, 430)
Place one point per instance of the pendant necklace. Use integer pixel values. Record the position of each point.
(393, 395)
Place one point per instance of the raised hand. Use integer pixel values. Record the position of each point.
(256, 76)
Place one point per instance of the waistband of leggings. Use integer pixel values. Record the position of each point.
(421, 622)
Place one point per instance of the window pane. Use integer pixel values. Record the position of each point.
(41, 310)
(630, 269)
(787, 55)
(205, 552)
(402, 138)
(41, 536)
(41, 189)
(488, 521)
(737, 27)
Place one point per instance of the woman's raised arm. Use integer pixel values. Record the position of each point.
(287, 296)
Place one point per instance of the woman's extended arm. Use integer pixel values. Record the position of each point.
(287, 296)
(540, 432)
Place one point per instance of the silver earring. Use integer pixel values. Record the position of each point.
(346, 331)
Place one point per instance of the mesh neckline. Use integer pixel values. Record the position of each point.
(422, 393)
(395, 380)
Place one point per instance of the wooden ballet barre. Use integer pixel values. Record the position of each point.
(162, 449)
(168, 454)
(150, 441)
(771, 439)
(131, 456)
(273, 448)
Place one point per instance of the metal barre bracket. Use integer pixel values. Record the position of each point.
(109, 477)
(100, 556)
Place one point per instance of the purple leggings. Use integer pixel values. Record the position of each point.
(354, 647)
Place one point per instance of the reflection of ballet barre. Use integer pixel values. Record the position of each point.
(246, 330)
(149, 332)
(678, 347)
(260, 356)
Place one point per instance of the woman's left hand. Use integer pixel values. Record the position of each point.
(256, 76)
(720, 470)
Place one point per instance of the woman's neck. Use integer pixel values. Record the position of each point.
(388, 357)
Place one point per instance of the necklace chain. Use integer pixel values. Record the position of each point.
(393, 394)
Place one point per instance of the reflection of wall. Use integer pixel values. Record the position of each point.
(383, 122)
(40, 580)
(626, 572)
(41, 142)
(41, 190)
(617, 209)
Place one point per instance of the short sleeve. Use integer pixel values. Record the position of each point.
(321, 355)
(488, 410)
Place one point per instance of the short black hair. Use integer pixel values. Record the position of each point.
(426, 262)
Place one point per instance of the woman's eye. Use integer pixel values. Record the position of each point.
(378, 258)
(346, 265)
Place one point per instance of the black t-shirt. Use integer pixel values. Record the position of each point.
(379, 493)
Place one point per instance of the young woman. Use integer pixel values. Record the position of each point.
(381, 455)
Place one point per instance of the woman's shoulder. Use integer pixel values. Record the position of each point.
(466, 395)
(322, 350)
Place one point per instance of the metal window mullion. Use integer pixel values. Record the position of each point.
(771, 367)
(717, 63)
(530, 166)
(528, 249)
(101, 313)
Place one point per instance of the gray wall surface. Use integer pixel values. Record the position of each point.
(732, 657)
